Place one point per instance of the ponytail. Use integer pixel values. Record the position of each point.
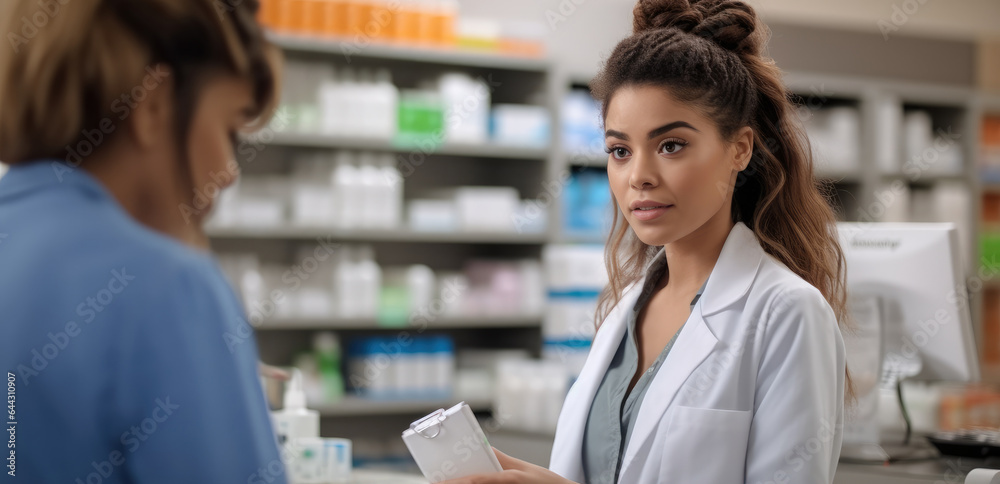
(709, 53)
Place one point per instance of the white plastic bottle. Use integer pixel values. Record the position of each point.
(363, 99)
(348, 102)
(331, 102)
(392, 181)
(374, 201)
(420, 282)
(369, 280)
(384, 103)
(294, 420)
(346, 284)
(346, 182)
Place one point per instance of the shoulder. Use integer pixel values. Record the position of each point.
(154, 278)
(787, 302)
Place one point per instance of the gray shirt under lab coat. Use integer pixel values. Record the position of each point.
(614, 409)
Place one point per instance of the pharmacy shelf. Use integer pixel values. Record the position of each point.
(591, 160)
(426, 55)
(571, 238)
(352, 406)
(450, 322)
(305, 140)
(824, 86)
(601, 161)
(926, 178)
(400, 235)
(839, 176)
(990, 103)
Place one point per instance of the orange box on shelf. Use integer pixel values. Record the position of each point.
(357, 15)
(380, 22)
(281, 14)
(405, 24)
(522, 48)
(290, 15)
(991, 131)
(443, 28)
(314, 16)
(335, 18)
(972, 407)
(991, 208)
(267, 13)
(991, 327)
(425, 26)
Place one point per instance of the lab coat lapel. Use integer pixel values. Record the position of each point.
(568, 446)
(730, 280)
(693, 345)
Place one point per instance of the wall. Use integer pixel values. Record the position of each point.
(936, 44)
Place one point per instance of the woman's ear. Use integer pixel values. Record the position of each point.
(153, 114)
(743, 148)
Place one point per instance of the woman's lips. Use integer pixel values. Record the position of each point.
(649, 213)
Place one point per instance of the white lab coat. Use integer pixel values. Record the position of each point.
(752, 391)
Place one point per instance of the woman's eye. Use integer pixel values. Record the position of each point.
(617, 152)
(671, 147)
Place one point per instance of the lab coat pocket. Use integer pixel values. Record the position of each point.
(705, 445)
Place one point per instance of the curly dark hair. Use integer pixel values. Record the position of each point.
(710, 54)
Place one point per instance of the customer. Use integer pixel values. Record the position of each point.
(117, 117)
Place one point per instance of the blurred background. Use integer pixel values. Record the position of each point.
(423, 220)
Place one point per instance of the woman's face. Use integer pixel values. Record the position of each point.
(222, 111)
(669, 168)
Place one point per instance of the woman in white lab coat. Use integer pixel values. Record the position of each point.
(719, 357)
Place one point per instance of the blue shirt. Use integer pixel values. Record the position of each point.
(127, 354)
(614, 410)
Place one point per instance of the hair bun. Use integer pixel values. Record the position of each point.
(729, 23)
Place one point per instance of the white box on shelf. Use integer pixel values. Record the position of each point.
(888, 120)
(575, 266)
(521, 124)
(262, 202)
(432, 215)
(532, 217)
(530, 394)
(467, 108)
(834, 137)
(260, 212)
(927, 151)
(314, 206)
(487, 208)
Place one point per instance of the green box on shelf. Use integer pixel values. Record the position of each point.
(393, 307)
(989, 246)
(421, 117)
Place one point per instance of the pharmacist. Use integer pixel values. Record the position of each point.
(719, 359)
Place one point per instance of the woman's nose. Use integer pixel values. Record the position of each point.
(644, 173)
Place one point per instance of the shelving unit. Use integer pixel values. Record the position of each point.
(300, 140)
(855, 190)
(442, 56)
(353, 235)
(513, 80)
(986, 105)
(449, 322)
(538, 82)
(351, 406)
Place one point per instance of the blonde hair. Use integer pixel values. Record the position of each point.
(74, 66)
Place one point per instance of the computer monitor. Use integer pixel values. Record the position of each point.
(908, 298)
(915, 272)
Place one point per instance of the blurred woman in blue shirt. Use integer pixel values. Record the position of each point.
(119, 120)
